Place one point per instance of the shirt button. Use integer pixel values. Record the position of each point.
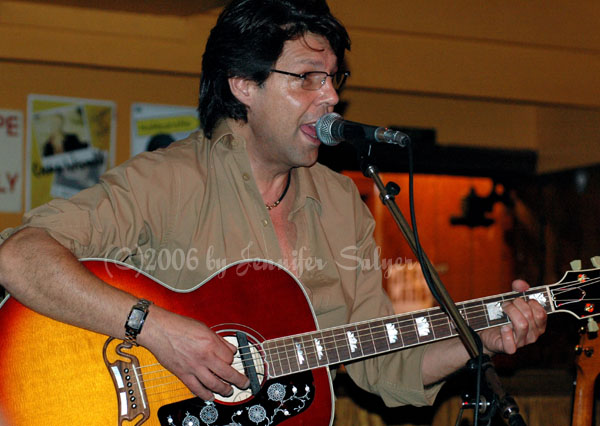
(245, 176)
(265, 222)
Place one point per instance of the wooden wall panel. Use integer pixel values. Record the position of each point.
(472, 262)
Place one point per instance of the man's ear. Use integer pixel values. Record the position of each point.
(242, 89)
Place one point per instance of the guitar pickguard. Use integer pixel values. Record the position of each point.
(277, 401)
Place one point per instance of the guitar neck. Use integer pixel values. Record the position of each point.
(351, 342)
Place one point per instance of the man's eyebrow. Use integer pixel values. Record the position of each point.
(316, 64)
(311, 62)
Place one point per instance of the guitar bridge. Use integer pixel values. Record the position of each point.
(129, 386)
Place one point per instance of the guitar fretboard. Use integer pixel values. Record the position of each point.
(350, 342)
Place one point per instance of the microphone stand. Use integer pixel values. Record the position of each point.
(387, 195)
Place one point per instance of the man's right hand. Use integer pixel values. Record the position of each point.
(189, 349)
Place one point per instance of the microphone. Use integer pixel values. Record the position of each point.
(333, 129)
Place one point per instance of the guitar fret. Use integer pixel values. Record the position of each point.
(286, 358)
(364, 336)
(291, 356)
(431, 325)
(341, 344)
(330, 347)
(275, 356)
(283, 358)
(268, 358)
(487, 318)
(475, 315)
(300, 352)
(494, 313)
(408, 328)
(310, 350)
(379, 338)
(473, 311)
(322, 355)
(440, 323)
(542, 297)
(465, 314)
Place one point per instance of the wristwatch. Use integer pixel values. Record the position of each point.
(135, 320)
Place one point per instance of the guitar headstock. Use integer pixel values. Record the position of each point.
(578, 292)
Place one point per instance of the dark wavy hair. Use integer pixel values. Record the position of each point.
(247, 41)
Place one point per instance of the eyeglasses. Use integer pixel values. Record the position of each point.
(314, 80)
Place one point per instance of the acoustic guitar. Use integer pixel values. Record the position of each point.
(55, 374)
(588, 368)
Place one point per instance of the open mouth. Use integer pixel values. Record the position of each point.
(310, 130)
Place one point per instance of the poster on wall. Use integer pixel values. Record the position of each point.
(155, 126)
(70, 143)
(11, 161)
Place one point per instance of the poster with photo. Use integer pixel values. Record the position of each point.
(156, 126)
(11, 161)
(70, 143)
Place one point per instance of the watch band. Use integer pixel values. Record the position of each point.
(135, 320)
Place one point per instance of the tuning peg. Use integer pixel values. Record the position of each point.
(576, 265)
(588, 350)
(592, 325)
(596, 261)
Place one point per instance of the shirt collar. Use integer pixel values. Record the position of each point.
(307, 189)
(223, 133)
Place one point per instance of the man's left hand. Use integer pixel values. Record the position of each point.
(528, 322)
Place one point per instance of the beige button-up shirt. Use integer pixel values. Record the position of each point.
(183, 213)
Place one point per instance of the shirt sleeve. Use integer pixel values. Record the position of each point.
(395, 377)
(116, 218)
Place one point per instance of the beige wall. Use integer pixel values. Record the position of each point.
(506, 75)
(523, 75)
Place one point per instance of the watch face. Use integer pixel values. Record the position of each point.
(135, 318)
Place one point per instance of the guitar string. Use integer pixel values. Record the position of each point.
(333, 337)
(289, 344)
(477, 308)
(435, 319)
(327, 341)
(576, 284)
(150, 389)
(376, 338)
(337, 338)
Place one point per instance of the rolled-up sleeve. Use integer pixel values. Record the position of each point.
(113, 218)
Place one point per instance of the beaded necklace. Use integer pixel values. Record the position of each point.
(287, 186)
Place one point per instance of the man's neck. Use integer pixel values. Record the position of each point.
(270, 177)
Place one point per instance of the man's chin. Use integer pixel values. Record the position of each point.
(311, 159)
